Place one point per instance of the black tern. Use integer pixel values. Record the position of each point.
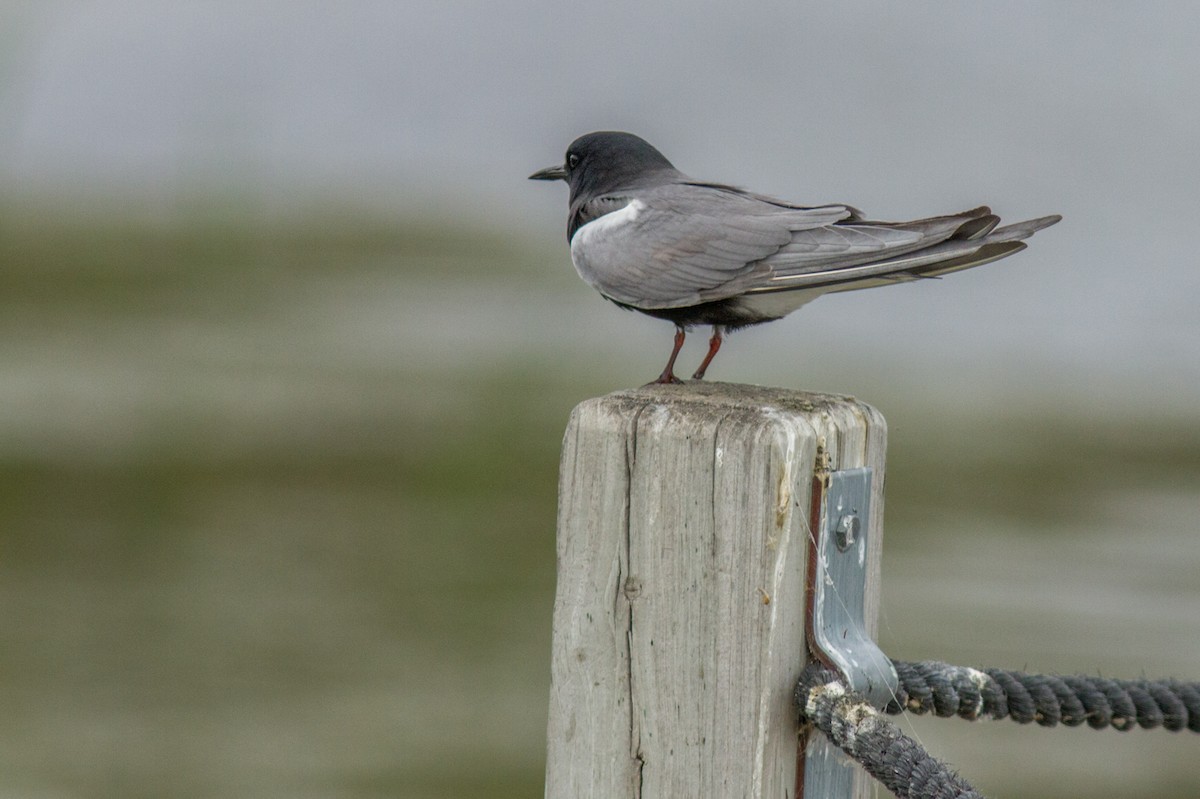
(651, 239)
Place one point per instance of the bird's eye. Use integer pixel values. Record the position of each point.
(572, 160)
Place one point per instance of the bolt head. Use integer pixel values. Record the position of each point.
(847, 530)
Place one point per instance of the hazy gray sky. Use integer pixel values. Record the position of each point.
(896, 104)
(1090, 109)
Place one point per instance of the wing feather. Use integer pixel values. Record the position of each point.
(947, 256)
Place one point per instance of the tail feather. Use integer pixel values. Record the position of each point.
(1023, 230)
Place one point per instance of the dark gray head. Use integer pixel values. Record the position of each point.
(607, 161)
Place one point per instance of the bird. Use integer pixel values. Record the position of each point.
(652, 239)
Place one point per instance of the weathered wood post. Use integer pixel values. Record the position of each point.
(684, 535)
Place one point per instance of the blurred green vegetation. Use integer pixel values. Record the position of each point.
(239, 562)
(1034, 472)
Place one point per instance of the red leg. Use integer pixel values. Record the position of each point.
(714, 344)
(668, 373)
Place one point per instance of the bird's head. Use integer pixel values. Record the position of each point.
(606, 161)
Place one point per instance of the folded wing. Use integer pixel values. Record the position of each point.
(688, 243)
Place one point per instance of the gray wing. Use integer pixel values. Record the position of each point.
(973, 242)
(685, 244)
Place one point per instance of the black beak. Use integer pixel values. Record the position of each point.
(550, 173)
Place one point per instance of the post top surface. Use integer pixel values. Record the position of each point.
(729, 396)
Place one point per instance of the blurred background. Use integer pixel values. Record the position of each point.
(289, 342)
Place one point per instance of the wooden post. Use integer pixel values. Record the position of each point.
(679, 630)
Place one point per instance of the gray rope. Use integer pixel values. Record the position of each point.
(945, 691)
(897, 761)
(907, 770)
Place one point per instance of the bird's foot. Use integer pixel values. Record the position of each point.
(668, 372)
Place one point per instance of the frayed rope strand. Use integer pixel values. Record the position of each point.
(901, 764)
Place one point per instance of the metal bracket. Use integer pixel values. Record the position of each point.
(839, 628)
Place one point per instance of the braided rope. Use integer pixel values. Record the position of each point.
(907, 770)
(945, 690)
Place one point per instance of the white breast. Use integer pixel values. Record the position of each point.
(601, 236)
